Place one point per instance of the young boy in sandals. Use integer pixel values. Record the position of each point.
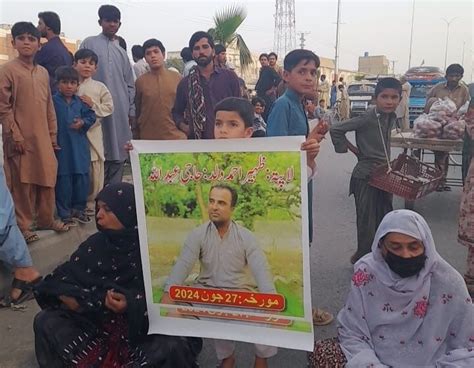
(29, 134)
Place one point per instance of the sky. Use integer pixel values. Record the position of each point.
(379, 27)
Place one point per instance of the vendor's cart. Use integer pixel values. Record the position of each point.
(423, 149)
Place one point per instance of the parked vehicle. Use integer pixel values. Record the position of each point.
(422, 79)
(360, 95)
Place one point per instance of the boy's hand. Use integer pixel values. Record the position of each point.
(315, 134)
(128, 146)
(87, 100)
(56, 146)
(321, 128)
(77, 124)
(312, 147)
(352, 148)
(19, 147)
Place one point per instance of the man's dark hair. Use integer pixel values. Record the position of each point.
(186, 54)
(232, 191)
(322, 100)
(386, 83)
(219, 48)
(273, 54)
(256, 100)
(122, 42)
(197, 36)
(82, 54)
(67, 73)
(151, 43)
(323, 75)
(294, 57)
(263, 55)
(455, 69)
(239, 105)
(51, 20)
(109, 12)
(341, 79)
(138, 52)
(20, 28)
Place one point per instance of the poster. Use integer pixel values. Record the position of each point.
(215, 268)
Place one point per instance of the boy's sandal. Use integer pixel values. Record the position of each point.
(82, 218)
(56, 225)
(26, 294)
(30, 236)
(70, 222)
(321, 318)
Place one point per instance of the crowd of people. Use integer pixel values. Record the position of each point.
(67, 121)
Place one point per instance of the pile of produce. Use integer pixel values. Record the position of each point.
(442, 122)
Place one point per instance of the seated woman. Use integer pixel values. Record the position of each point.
(94, 310)
(407, 306)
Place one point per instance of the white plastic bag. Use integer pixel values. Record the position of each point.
(426, 127)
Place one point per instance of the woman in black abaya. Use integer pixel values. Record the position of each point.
(93, 306)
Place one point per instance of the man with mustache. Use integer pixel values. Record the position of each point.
(115, 71)
(53, 53)
(202, 89)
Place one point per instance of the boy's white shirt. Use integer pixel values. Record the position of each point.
(103, 106)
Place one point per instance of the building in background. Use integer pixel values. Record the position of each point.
(7, 52)
(327, 68)
(373, 65)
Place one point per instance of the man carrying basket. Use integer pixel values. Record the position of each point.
(372, 133)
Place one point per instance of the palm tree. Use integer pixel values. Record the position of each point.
(226, 22)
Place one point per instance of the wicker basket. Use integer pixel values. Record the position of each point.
(409, 178)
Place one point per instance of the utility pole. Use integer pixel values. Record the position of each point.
(284, 38)
(302, 38)
(411, 34)
(448, 23)
(393, 66)
(336, 56)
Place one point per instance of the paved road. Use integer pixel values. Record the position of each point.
(335, 241)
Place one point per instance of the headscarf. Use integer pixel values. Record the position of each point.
(419, 321)
(109, 259)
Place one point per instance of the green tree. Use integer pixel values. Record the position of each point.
(226, 23)
(175, 63)
(190, 200)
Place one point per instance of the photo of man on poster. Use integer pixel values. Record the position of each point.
(226, 251)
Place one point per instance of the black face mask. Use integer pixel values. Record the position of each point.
(405, 267)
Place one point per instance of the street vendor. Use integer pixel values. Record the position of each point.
(372, 131)
(459, 94)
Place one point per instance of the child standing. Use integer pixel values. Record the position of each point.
(29, 134)
(288, 117)
(234, 120)
(372, 132)
(259, 125)
(97, 96)
(74, 120)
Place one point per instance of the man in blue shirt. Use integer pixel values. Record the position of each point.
(53, 53)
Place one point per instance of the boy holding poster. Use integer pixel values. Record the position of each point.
(234, 119)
